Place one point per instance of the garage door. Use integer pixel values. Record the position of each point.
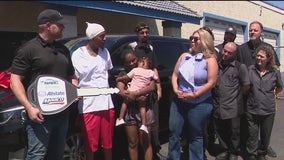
(218, 27)
(270, 38)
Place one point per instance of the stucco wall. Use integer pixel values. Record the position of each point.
(245, 11)
(19, 16)
(238, 10)
(114, 23)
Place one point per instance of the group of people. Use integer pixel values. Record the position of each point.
(229, 92)
(232, 86)
(88, 66)
(243, 117)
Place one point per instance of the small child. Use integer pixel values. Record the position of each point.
(140, 77)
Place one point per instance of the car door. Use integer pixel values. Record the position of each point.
(167, 52)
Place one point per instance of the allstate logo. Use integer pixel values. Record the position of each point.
(56, 93)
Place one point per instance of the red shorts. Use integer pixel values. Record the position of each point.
(97, 127)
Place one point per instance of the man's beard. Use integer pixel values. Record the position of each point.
(144, 40)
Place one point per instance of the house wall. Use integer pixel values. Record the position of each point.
(20, 16)
(238, 11)
(114, 23)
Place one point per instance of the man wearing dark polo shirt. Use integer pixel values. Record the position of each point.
(246, 51)
(232, 80)
(246, 54)
(43, 55)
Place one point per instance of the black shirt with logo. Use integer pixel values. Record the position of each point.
(37, 57)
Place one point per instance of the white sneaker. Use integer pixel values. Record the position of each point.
(119, 122)
(144, 128)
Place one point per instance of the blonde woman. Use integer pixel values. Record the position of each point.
(194, 76)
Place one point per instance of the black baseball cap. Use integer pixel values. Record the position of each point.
(50, 15)
(141, 26)
(232, 30)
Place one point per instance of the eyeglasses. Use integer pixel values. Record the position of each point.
(195, 39)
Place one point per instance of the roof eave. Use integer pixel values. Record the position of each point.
(130, 10)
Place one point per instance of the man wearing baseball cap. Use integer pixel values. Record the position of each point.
(229, 36)
(43, 55)
(52, 16)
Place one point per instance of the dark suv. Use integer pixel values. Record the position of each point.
(167, 50)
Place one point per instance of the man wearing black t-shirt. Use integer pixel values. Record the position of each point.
(43, 55)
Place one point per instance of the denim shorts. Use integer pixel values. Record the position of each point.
(133, 117)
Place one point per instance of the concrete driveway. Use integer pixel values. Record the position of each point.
(277, 137)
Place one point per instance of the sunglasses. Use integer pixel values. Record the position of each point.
(195, 39)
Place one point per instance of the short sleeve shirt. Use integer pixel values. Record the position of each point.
(145, 51)
(227, 93)
(92, 71)
(37, 57)
(140, 78)
(261, 98)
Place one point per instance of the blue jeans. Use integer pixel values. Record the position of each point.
(47, 140)
(196, 116)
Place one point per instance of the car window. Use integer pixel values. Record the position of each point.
(167, 53)
(116, 54)
(76, 45)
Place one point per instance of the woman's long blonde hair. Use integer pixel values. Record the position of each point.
(207, 43)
